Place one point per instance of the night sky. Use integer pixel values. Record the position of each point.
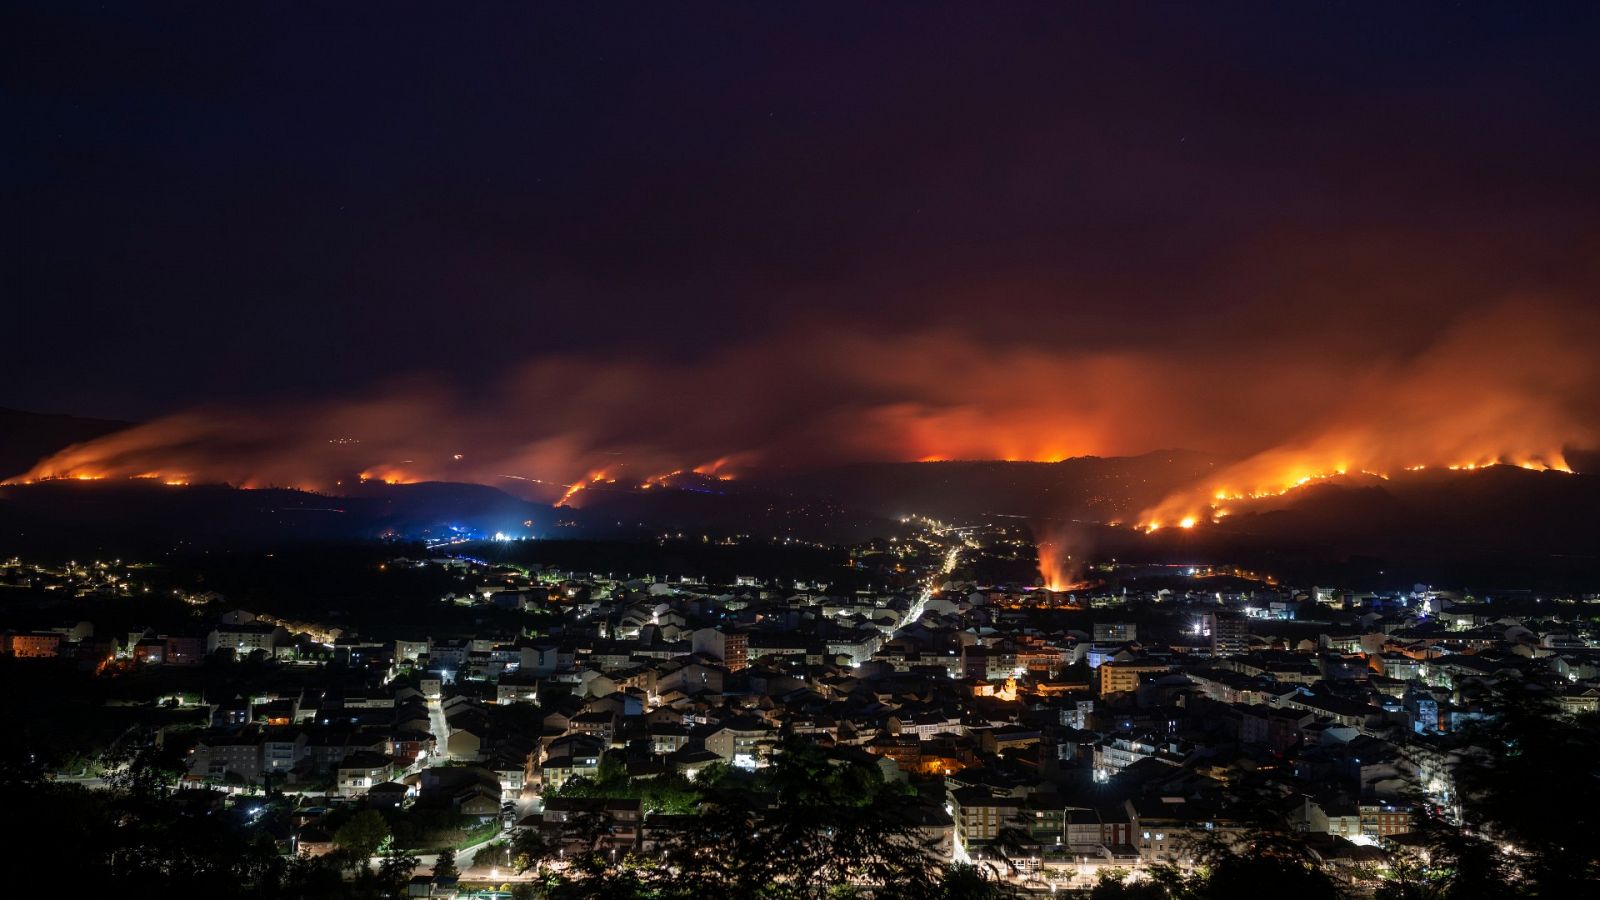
(230, 204)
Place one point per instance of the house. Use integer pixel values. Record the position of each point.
(389, 795)
(1279, 729)
(693, 678)
(667, 737)
(1164, 828)
(742, 741)
(517, 687)
(690, 761)
(282, 748)
(150, 651)
(513, 775)
(245, 638)
(622, 820)
(600, 723)
(360, 771)
(228, 757)
(477, 800)
(571, 756)
(465, 745)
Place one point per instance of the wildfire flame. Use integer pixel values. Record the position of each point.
(596, 477)
(1511, 384)
(714, 469)
(1502, 390)
(1187, 508)
(655, 481)
(1061, 560)
(388, 475)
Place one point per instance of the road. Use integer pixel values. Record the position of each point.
(934, 580)
(466, 858)
(441, 731)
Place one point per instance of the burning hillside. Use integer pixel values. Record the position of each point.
(1513, 386)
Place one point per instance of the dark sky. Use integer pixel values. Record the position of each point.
(224, 201)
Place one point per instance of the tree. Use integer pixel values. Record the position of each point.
(360, 838)
(1453, 864)
(839, 827)
(805, 828)
(1161, 883)
(1266, 860)
(138, 769)
(1534, 745)
(582, 863)
(611, 773)
(394, 873)
(964, 881)
(446, 866)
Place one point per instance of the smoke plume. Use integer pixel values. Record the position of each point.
(1515, 384)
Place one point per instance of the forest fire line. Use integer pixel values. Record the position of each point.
(1190, 507)
(1503, 385)
(168, 480)
(1185, 509)
(387, 475)
(593, 478)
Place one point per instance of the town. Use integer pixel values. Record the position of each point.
(1044, 741)
(801, 451)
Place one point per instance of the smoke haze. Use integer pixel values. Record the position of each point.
(1515, 383)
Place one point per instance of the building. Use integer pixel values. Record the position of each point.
(1229, 634)
(1124, 677)
(1115, 632)
(35, 645)
(359, 772)
(980, 816)
(226, 757)
(1381, 819)
(244, 638)
(730, 647)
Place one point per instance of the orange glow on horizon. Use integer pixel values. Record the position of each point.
(1187, 508)
(599, 476)
(388, 475)
(1509, 381)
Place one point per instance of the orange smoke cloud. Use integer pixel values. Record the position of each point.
(551, 428)
(1513, 385)
(1513, 388)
